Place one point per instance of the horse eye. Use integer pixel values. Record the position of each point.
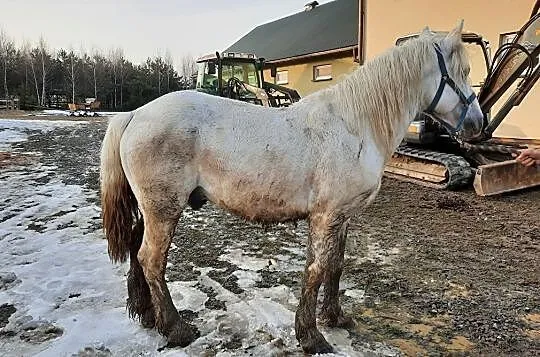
(467, 71)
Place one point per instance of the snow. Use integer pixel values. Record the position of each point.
(9, 136)
(49, 237)
(54, 263)
(52, 112)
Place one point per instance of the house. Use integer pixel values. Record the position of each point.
(316, 47)
(310, 49)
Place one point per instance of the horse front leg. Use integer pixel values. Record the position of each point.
(322, 249)
(331, 312)
(152, 256)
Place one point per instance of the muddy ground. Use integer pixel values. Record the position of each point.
(427, 272)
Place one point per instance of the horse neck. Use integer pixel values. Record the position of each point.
(381, 97)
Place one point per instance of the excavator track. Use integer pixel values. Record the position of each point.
(429, 168)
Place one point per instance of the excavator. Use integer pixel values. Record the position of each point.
(432, 157)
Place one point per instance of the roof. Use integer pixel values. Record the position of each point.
(330, 26)
(237, 56)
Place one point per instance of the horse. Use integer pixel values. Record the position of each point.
(320, 159)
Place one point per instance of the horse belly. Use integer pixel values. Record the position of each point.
(257, 201)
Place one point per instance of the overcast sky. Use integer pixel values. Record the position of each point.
(141, 27)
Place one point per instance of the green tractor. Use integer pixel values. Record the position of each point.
(240, 76)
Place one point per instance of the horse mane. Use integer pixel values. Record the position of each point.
(373, 99)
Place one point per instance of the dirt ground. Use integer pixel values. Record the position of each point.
(427, 272)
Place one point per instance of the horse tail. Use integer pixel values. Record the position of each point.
(122, 221)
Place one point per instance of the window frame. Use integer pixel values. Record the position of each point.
(508, 37)
(322, 78)
(281, 81)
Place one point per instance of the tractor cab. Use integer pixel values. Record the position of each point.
(240, 76)
(231, 75)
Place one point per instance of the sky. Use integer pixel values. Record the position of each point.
(142, 28)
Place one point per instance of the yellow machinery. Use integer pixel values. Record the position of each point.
(431, 157)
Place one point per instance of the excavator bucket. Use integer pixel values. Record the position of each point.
(505, 176)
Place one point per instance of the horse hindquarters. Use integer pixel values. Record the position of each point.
(159, 163)
(122, 222)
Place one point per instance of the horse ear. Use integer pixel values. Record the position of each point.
(458, 30)
(426, 31)
(459, 27)
(454, 37)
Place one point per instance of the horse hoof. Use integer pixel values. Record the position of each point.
(315, 343)
(180, 335)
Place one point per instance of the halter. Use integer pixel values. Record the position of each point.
(445, 79)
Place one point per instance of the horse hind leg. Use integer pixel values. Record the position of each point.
(139, 302)
(158, 233)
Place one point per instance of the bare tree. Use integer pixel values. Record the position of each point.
(95, 57)
(169, 65)
(72, 73)
(188, 68)
(29, 58)
(159, 68)
(112, 58)
(121, 65)
(116, 57)
(6, 47)
(43, 52)
(25, 63)
(94, 68)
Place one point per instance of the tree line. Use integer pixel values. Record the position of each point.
(42, 77)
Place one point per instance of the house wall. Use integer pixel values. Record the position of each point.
(387, 20)
(301, 72)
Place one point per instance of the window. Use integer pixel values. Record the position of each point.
(244, 71)
(477, 62)
(322, 72)
(506, 37)
(282, 77)
(206, 82)
(509, 37)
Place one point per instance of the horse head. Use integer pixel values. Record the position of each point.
(448, 96)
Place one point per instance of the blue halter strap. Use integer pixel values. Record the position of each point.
(445, 79)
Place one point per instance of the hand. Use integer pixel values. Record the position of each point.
(528, 157)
